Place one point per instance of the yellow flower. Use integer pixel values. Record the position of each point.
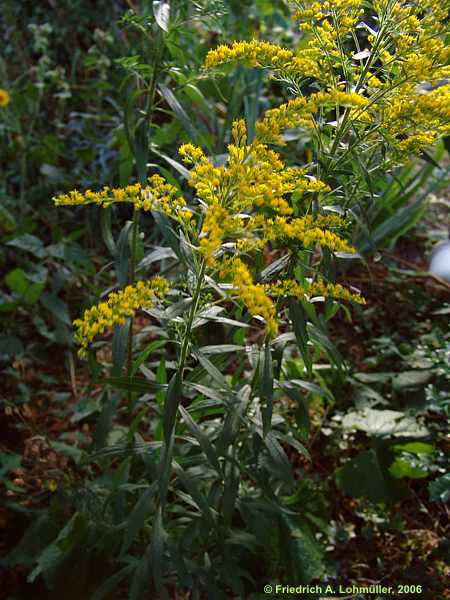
(253, 295)
(265, 54)
(306, 230)
(158, 195)
(290, 287)
(118, 307)
(5, 98)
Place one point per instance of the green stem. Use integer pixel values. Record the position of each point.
(192, 313)
(150, 106)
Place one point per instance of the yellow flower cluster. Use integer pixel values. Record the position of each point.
(415, 120)
(305, 230)
(240, 197)
(217, 222)
(290, 287)
(158, 195)
(253, 295)
(257, 297)
(331, 21)
(5, 98)
(265, 54)
(118, 307)
(299, 113)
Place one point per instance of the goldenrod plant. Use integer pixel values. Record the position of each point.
(203, 497)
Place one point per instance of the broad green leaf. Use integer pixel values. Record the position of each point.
(30, 243)
(401, 468)
(18, 282)
(52, 555)
(57, 307)
(302, 553)
(439, 489)
(363, 476)
(383, 423)
(10, 345)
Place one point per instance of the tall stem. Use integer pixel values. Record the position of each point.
(150, 105)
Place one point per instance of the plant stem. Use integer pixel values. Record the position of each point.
(192, 313)
(150, 105)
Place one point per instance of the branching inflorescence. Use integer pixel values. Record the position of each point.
(367, 78)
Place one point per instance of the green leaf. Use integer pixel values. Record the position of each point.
(414, 448)
(401, 469)
(383, 423)
(222, 349)
(298, 318)
(142, 509)
(201, 437)
(122, 257)
(302, 413)
(395, 226)
(30, 243)
(71, 451)
(9, 462)
(120, 346)
(18, 282)
(280, 461)
(180, 113)
(106, 229)
(266, 387)
(105, 419)
(199, 498)
(168, 232)
(439, 489)
(212, 371)
(155, 256)
(363, 476)
(57, 307)
(52, 555)
(157, 555)
(161, 12)
(142, 357)
(172, 401)
(275, 267)
(133, 384)
(303, 555)
(110, 585)
(10, 345)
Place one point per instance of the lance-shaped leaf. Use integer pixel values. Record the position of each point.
(298, 318)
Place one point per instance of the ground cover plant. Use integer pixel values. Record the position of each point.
(230, 368)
